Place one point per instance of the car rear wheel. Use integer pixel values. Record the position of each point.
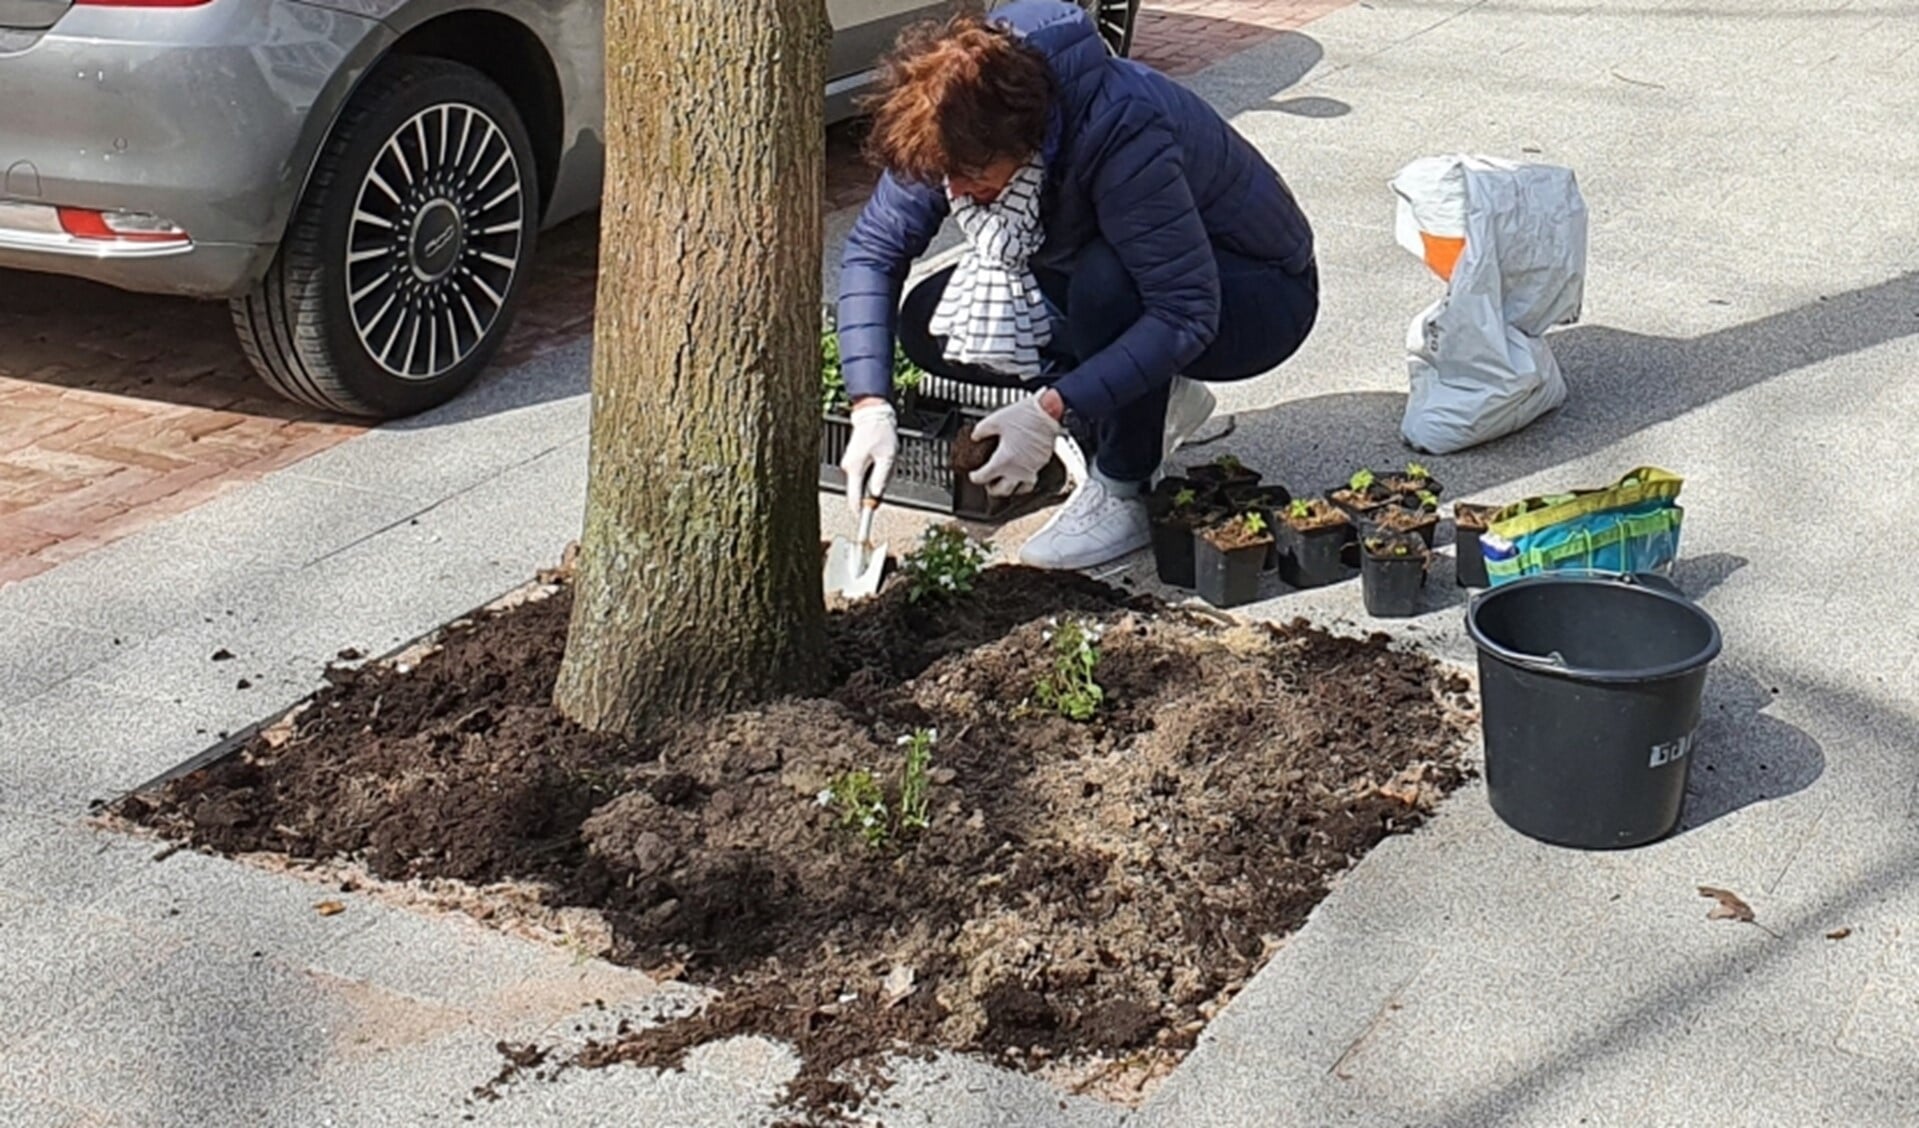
(1115, 19)
(408, 252)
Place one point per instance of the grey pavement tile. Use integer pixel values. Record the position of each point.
(1471, 1044)
(428, 1082)
(23, 1110)
(1288, 1028)
(1757, 1079)
(248, 912)
(950, 1091)
(732, 1084)
(522, 413)
(58, 959)
(1882, 1025)
(205, 1037)
(79, 742)
(288, 520)
(137, 587)
(450, 959)
(1470, 885)
(67, 862)
(37, 655)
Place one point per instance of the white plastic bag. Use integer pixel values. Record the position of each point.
(1511, 241)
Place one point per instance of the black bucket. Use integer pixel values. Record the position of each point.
(1590, 689)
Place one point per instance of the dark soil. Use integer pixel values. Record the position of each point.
(968, 453)
(1396, 546)
(1319, 515)
(1468, 516)
(1229, 536)
(1084, 893)
(1394, 519)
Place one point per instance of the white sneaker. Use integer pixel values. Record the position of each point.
(1092, 528)
(1189, 406)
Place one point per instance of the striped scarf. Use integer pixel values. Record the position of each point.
(992, 313)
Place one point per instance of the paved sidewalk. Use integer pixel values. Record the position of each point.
(1752, 322)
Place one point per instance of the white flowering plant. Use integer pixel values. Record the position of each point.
(1070, 687)
(944, 565)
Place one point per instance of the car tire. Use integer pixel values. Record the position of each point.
(409, 251)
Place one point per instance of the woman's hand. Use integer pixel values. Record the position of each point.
(1026, 431)
(871, 450)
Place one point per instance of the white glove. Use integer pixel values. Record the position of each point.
(1026, 435)
(870, 452)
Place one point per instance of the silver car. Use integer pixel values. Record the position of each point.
(363, 180)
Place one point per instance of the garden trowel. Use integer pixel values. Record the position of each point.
(853, 568)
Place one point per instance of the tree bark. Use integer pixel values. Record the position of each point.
(699, 579)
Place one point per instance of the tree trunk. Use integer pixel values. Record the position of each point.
(699, 579)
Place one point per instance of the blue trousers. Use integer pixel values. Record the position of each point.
(1265, 314)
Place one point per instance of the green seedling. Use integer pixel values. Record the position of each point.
(861, 804)
(1300, 509)
(1418, 473)
(1184, 499)
(915, 779)
(1361, 481)
(1229, 464)
(1428, 500)
(907, 376)
(1252, 523)
(944, 565)
(1071, 688)
(859, 798)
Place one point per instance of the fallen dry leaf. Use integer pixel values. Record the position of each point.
(1730, 907)
(897, 985)
(1839, 934)
(329, 908)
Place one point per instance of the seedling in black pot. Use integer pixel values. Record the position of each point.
(1228, 558)
(1177, 509)
(1419, 515)
(1392, 572)
(1223, 471)
(1361, 496)
(1316, 537)
(1415, 481)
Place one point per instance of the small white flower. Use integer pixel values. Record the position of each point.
(904, 740)
(1046, 636)
(932, 735)
(825, 797)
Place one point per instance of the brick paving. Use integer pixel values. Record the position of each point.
(120, 410)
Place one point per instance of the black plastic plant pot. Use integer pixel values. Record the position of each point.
(1392, 571)
(1213, 475)
(1229, 577)
(1174, 537)
(1395, 519)
(1361, 508)
(1469, 563)
(1315, 557)
(1411, 488)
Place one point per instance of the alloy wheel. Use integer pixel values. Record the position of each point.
(434, 241)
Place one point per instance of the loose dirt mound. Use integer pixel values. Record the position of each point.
(1083, 891)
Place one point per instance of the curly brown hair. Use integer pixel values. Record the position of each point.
(956, 97)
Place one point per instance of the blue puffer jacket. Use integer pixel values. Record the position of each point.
(1132, 157)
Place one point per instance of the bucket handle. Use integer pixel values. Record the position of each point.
(1556, 661)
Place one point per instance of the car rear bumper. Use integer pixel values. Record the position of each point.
(199, 116)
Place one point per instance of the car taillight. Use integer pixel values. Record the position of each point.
(131, 227)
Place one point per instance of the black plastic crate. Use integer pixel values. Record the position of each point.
(922, 473)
